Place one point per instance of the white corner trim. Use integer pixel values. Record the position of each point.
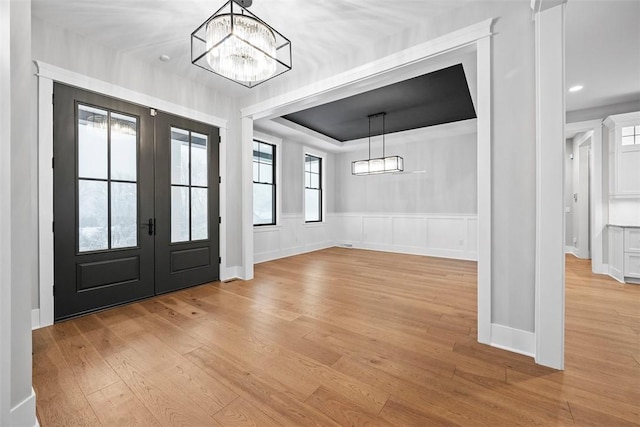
(511, 339)
(231, 273)
(570, 250)
(265, 137)
(616, 274)
(81, 81)
(622, 119)
(35, 318)
(24, 413)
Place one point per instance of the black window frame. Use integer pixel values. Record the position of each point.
(273, 182)
(319, 188)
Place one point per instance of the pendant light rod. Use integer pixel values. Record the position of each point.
(371, 116)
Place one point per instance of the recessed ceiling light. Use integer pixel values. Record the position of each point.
(165, 58)
(575, 88)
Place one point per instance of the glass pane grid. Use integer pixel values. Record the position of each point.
(264, 189)
(313, 190)
(631, 135)
(189, 186)
(107, 179)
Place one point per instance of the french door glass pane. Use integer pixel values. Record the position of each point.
(92, 142)
(311, 204)
(93, 215)
(179, 214)
(124, 215)
(199, 215)
(198, 160)
(179, 156)
(262, 204)
(123, 147)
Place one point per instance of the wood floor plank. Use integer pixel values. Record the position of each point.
(117, 406)
(89, 368)
(341, 409)
(338, 337)
(241, 413)
(169, 404)
(60, 401)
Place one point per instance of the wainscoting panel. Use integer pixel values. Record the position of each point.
(377, 230)
(409, 232)
(292, 236)
(448, 236)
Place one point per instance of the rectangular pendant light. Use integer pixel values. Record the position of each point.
(389, 164)
(384, 164)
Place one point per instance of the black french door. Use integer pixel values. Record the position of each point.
(135, 202)
(187, 194)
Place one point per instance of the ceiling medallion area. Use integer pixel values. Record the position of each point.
(237, 45)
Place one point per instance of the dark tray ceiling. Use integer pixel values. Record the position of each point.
(431, 99)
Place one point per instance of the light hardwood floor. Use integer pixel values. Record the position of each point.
(338, 337)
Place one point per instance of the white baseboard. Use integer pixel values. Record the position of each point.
(35, 318)
(231, 273)
(616, 274)
(515, 340)
(24, 413)
(270, 256)
(571, 250)
(438, 253)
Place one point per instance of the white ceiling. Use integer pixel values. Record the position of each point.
(320, 30)
(602, 52)
(602, 37)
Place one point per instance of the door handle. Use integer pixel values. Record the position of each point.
(151, 226)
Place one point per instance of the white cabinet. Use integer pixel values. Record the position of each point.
(632, 253)
(624, 155)
(624, 253)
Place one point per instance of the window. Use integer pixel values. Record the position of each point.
(312, 188)
(107, 179)
(264, 183)
(189, 186)
(631, 135)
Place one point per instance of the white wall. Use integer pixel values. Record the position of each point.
(440, 177)
(17, 214)
(599, 113)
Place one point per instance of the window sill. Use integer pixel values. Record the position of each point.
(265, 228)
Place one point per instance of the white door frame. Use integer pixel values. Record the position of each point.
(47, 75)
(378, 73)
(598, 211)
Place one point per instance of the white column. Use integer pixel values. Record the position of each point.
(247, 198)
(550, 118)
(5, 214)
(17, 215)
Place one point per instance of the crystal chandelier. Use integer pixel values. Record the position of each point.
(384, 164)
(238, 45)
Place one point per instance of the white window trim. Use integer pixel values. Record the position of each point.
(277, 142)
(323, 185)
